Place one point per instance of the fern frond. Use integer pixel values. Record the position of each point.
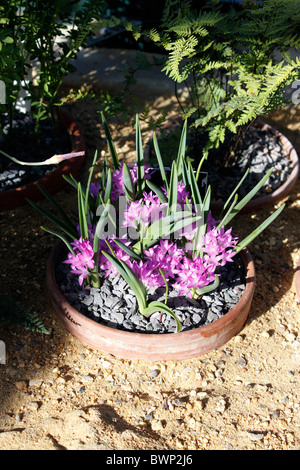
(180, 49)
(16, 314)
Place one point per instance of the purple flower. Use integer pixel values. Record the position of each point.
(143, 211)
(94, 189)
(192, 274)
(91, 229)
(217, 244)
(117, 180)
(104, 264)
(147, 271)
(82, 261)
(166, 255)
(182, 193)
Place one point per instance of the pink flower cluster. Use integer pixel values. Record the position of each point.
(143, 211)
(215, 244)
(182, 194)
(182, 268)
(83, 260)
(197, 272)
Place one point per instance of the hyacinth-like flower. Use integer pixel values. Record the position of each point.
(94, 189)
(120, 254)
(217, 244)
(82, 261)
(143, 211)
(91, 229)
(147, 271)
(165, 256)
(193, 274)
(182, 193)
(118, 183)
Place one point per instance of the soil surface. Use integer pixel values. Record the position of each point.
(56, 394)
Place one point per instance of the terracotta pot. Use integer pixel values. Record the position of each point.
(53, 181)
(261, 201)
(150, 347)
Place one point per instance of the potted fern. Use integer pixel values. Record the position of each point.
(38, 41)
(146, 280)
(235, 64)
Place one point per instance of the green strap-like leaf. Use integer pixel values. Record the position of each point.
(104, 174)
(234, 192)
(56, 206)
(185, 176)
(164, 227)
(182, 148)
(110, 143)
(258, 230)
(82, 214)
(201, 229)
(160, 194)
(128, 250)
(87, 194)
(99, 227)
(166, 284)
(134, 283)
(247, 198)
(157, 306)
(59, 223)
(160, 163)
(173, 190)
(221, 223)
(140, 174)
(197, 200)
(53, 232)
(128, 183)
(204, 157)
(71, 180)
(107, 195)
(210, 287)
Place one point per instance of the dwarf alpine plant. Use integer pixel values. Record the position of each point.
(160, 235)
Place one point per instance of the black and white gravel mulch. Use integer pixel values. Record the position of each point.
(262, 150)
(115, 305)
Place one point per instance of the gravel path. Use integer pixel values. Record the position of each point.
(57, 394)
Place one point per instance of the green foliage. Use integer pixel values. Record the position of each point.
(174, 220)
(16, 314)
(49, 33)
(226, 57)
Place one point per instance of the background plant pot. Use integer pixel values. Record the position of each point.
(284, 190)
(53, 181)
(259, 202)
(150, 347)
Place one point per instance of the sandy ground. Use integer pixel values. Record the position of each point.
(57, 394)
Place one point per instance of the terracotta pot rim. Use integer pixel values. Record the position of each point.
(151, 339)
(12, 198)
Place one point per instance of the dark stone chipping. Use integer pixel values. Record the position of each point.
(121, 311)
